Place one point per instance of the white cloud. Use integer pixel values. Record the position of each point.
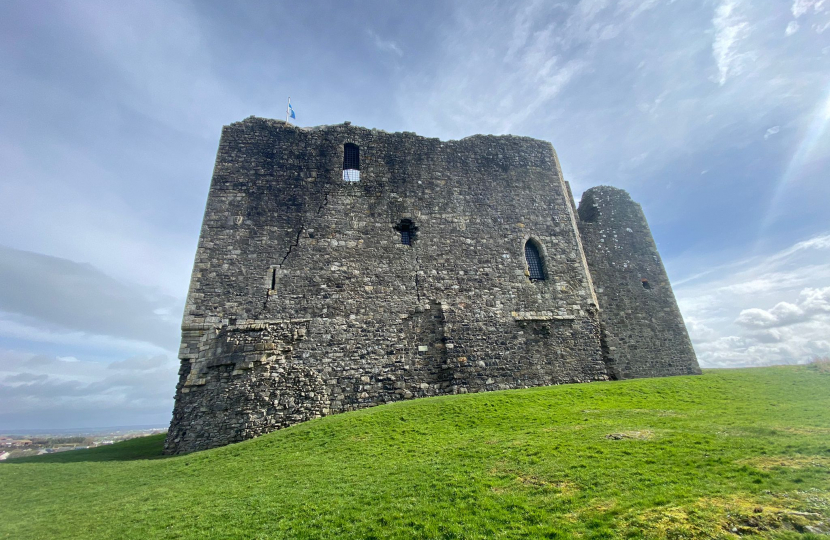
(815, 301)
(385, 45)
(730, 29)
(782, 314)
(772, 131)
(729, 319)
(800, 7)
(791, 29)
(699, 332)
(736, 351)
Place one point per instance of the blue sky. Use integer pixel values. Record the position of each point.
(712, 114)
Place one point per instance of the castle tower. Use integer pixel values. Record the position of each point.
(644, 334)
(340, 267)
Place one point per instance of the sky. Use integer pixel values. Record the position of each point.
(712, 114)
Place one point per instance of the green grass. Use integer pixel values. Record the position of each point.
(694, 457)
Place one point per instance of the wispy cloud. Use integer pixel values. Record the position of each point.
(800, 7)
(508, 74)
(730, 29)
(792, 28)
(385, 45)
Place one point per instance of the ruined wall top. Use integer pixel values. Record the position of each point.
(277, 187)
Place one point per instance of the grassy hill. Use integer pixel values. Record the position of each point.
(734, 452)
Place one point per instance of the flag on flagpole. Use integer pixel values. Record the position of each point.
(289, 112)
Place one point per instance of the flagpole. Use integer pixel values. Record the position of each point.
(287, 109)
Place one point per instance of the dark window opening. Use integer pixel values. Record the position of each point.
(407, 230)
(646, 284)
(588, 211)
(590, 214)
(351, 162)
(273, 278)
(535, 269)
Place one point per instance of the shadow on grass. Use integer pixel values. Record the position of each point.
(150, 447)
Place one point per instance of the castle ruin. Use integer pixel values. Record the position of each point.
(341, 267)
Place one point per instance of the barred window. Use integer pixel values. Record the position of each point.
(534, 262)
(351, 162)
(407, 230)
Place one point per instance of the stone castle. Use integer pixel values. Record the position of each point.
(340, 267)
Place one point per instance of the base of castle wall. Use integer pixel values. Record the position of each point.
(250, 380)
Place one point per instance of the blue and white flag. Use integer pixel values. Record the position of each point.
(291, 111)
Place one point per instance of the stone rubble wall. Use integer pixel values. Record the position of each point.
(644, 333)
(301, 286)
(244, 384)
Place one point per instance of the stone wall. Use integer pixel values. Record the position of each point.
(305, 302)
(644, 334)
(244, 385)
(301, 286)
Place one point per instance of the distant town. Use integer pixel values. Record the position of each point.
(37, 442)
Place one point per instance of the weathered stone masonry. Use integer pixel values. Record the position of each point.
(305, 302)
(643, 330)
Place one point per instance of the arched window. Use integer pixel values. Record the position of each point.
(535, 268)
(351, 163)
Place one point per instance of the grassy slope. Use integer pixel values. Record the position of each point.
(742, 449)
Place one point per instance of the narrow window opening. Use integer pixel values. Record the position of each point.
(589, 214)
(588, 211)
(351, 162)
(273, 279)
(535, 268)
(646, 284)
(407, 230)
